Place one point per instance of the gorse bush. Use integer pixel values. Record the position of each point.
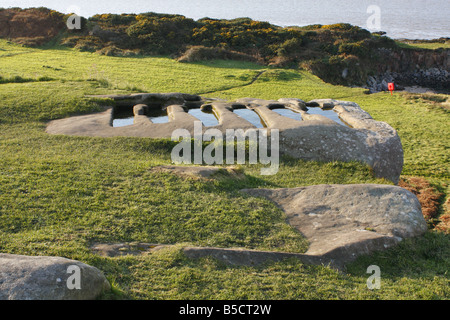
(202, 53)
(354, 48)
(326, 50)
(161, 35)
(290, 47)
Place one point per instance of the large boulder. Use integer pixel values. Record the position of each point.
(48, 278)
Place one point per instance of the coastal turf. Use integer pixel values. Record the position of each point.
(61, 194)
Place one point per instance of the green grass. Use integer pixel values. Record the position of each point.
(147, 74)
(424, 45)
(60, 194)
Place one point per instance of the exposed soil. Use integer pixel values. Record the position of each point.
(429, 198)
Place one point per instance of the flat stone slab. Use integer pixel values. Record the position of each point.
(245, 257)
(46, 278)
(315, 137)
(342, 222)
(229, 256)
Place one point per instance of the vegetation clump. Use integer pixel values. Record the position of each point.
(427, 195)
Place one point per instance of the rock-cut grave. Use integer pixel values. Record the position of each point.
(358, 137)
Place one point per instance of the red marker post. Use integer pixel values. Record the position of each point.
(391, 87)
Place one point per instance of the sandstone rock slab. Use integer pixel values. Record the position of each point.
(245, 257)
(343, 222)
(315, 137)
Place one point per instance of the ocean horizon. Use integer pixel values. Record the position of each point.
(410, 19)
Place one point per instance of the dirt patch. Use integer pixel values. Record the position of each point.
(429, 197)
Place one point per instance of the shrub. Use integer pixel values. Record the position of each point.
(114, 51)
(385, 42)
(356, 48)
(312, 27)
(201, 53)
(89, 43)
(290, 47)
(31, 41)
(330, 48)
(164, 35)
(123, 19)
(70, 41)
(338, 26)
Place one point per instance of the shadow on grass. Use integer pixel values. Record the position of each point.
(423, 257)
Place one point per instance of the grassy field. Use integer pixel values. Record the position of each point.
(61, 194)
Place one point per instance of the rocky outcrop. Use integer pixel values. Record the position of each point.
(438, 79)
(420, 67)
(246, 257)
(48, 278)
(158, 100)
(124, 248)
(364, 139)
(340, 223)
(406, 60)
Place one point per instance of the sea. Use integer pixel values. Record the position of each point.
(399, 19)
